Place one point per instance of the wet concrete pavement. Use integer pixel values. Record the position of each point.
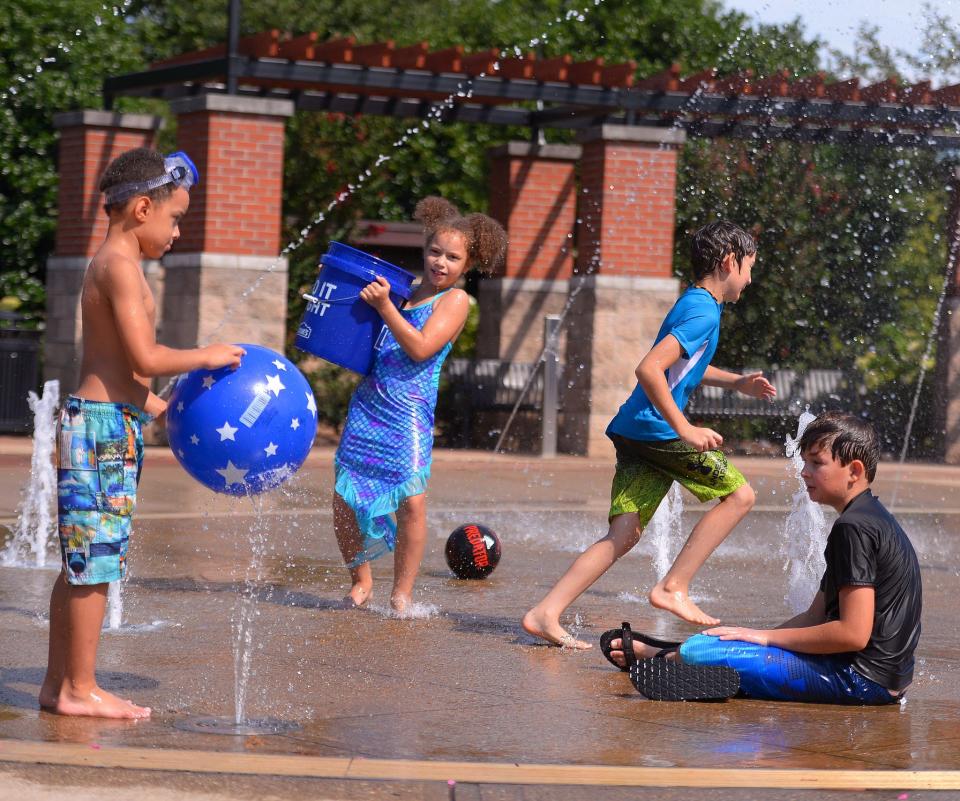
(461, 682)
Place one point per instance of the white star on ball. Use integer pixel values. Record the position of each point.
(311, 404)
(295, 423)
(194, 439)
(270, 450)
(226, 432)
(279, 364)
(274, 385)
(180, 451)
(232, 474)
(208, 382)
(180, 406)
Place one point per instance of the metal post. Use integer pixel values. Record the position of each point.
(233, 46)
(947, 399)
(551, 380)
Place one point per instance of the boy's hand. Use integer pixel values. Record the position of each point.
(755, 385)
(758, 636)
(222, 355)
(377, 293)
(156, 407)
(702, 439)
(160, 421)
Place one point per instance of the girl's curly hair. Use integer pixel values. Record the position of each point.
(485, 238)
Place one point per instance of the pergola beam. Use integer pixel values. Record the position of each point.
(567, 105)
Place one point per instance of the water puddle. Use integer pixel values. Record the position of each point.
(416, 611)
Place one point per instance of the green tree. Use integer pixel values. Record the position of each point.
(851, 259)
(53, 57)
(887, 254)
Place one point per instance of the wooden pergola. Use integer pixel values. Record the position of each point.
(415, 81)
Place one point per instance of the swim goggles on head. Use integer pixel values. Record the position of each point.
(178, 170)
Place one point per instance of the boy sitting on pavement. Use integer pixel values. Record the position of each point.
(99, 442)
(656, 445)
(856, 642)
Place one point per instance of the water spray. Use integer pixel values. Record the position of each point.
(36, 524)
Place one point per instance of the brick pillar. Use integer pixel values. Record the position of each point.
(230, 236)
(948, 344)
(624, 282)
(533, 195)
(89, 141)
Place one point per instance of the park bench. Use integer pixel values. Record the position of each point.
(494, 385)
(818, 389)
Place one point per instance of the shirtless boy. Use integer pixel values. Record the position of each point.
(99, 442)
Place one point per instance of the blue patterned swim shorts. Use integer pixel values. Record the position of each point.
(99, 458)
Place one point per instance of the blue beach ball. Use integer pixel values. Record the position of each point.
(243, 431)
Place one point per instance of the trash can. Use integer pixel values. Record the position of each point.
(19, 371)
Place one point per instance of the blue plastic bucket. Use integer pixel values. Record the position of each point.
(337, 325)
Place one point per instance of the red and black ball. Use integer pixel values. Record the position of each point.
(472, 551)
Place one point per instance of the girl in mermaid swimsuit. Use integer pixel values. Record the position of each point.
(383, 462)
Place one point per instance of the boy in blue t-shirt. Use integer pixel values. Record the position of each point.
(656, 445)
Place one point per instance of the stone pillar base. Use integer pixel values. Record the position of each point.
(61, 340)
(614, 321)
(203, 303)
(511, 316)
(203, 300)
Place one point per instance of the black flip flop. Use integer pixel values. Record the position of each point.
(667, 680)
(628, 636)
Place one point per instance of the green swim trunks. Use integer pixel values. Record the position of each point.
(646, 470)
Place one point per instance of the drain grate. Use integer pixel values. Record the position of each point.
(229, 726)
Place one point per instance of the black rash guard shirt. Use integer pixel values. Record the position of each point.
(868, 548)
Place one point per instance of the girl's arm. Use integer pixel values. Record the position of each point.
(446, 322)
(848, 634)
(651, 373)
(752, 384)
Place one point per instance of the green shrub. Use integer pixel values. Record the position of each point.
(332, 387)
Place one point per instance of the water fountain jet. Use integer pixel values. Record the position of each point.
(35, 528)
(804, 533)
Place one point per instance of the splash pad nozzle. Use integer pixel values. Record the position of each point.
(211, 724)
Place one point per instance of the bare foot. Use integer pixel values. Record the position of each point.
(679, 603)
(99, 704)
(359, 594)
(49, 693)
(640, 651)
(400, 603)
(546, 628)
